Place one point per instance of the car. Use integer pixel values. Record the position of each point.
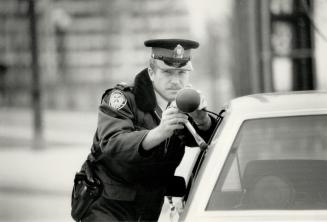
(267, 161)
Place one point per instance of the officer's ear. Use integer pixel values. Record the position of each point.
(151, 74)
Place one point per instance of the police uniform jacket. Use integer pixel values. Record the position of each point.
(128, 172)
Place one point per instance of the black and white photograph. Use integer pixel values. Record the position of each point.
(163, 110)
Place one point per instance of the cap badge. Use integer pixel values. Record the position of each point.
(117, 100)
(178, 52)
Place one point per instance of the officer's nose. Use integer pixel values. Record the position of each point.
(175, 78)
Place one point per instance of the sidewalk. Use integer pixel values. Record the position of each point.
(48, 171)
(68, 137)
(35, 185)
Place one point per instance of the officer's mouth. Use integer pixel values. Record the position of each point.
(174, 89)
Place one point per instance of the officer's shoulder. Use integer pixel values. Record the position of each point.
(120, 90)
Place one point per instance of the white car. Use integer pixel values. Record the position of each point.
(266, 162)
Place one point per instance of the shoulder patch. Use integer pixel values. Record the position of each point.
(117, 99)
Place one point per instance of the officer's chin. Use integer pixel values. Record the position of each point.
(172, 95)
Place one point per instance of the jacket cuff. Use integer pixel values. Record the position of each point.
(145, 153)
(142, 151)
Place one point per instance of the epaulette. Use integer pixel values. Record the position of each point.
(123, 86)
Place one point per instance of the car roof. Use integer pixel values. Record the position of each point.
(278, 102)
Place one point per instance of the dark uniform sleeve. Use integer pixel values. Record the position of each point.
(118, 136)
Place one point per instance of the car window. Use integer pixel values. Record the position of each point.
(275, 163)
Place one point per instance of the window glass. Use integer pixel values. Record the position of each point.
(275, 163)
(282, 38)
(281, 6)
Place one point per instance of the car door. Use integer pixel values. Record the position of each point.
(264, 167)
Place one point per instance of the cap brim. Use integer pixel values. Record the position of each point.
(162, 65)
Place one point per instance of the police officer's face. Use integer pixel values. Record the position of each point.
(168, 82)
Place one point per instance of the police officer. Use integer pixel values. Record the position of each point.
(139, 142)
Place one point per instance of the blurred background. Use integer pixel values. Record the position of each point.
(57, 57)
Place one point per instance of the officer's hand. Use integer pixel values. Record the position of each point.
(201, 117)
(172, 119)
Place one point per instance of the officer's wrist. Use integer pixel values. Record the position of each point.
(152, 139)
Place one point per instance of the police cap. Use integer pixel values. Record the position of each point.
(172, 53)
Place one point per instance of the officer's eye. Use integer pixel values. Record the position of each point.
(168, 72)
